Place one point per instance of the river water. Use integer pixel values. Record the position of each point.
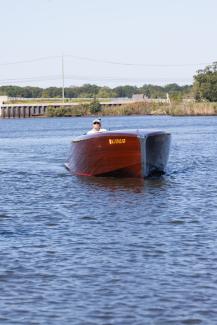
(102, 251)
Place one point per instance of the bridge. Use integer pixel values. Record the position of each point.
(28, 110)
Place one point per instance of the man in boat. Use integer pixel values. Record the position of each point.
(96, 127)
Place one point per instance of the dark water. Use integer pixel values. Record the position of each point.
(107, 251)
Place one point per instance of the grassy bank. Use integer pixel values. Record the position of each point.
(79, 110)
(174, 109)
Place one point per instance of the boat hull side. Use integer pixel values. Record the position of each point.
(113, 155)
(156, 153)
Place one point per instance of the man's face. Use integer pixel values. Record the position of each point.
(96, 126)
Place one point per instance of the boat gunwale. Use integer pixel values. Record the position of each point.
(139, 133)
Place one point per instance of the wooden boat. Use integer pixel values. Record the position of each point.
(122, 153)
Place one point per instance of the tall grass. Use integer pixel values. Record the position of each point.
(195, 109)
(174, 109)
(81, 110)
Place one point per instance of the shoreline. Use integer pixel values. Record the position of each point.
(140, 109)
(100, 115)
(178, 109)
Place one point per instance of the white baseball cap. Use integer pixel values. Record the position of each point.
(97, 120)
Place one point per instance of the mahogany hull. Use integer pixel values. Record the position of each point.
(119, 154)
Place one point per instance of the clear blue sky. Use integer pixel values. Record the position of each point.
(152, 33)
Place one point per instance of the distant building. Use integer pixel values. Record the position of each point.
(143, 98)
(138, 97)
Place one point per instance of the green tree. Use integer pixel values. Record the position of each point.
(205, 83)
(52, 92)
(94, 91)
(126, 91)
(106, 92)
(88, 91)
(152, 91)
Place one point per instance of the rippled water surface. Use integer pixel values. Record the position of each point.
(102, 251)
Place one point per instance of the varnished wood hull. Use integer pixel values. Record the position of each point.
(119, 154)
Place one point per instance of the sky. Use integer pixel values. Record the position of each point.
(108, 43)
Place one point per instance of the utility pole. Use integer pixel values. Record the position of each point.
(63, 86)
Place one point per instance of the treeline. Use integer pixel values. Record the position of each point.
(94, 91)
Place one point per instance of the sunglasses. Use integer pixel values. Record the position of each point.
(96, 123)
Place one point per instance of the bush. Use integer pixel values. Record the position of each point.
(95, 107)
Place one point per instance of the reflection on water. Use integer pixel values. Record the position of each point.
(101, 251)
(113, 184)
(134, 185)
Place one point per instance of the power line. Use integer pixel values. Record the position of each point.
(112, 78)
(91, 79)
(151, 65)
(36, 78)
(29, 60)
(89, 59)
